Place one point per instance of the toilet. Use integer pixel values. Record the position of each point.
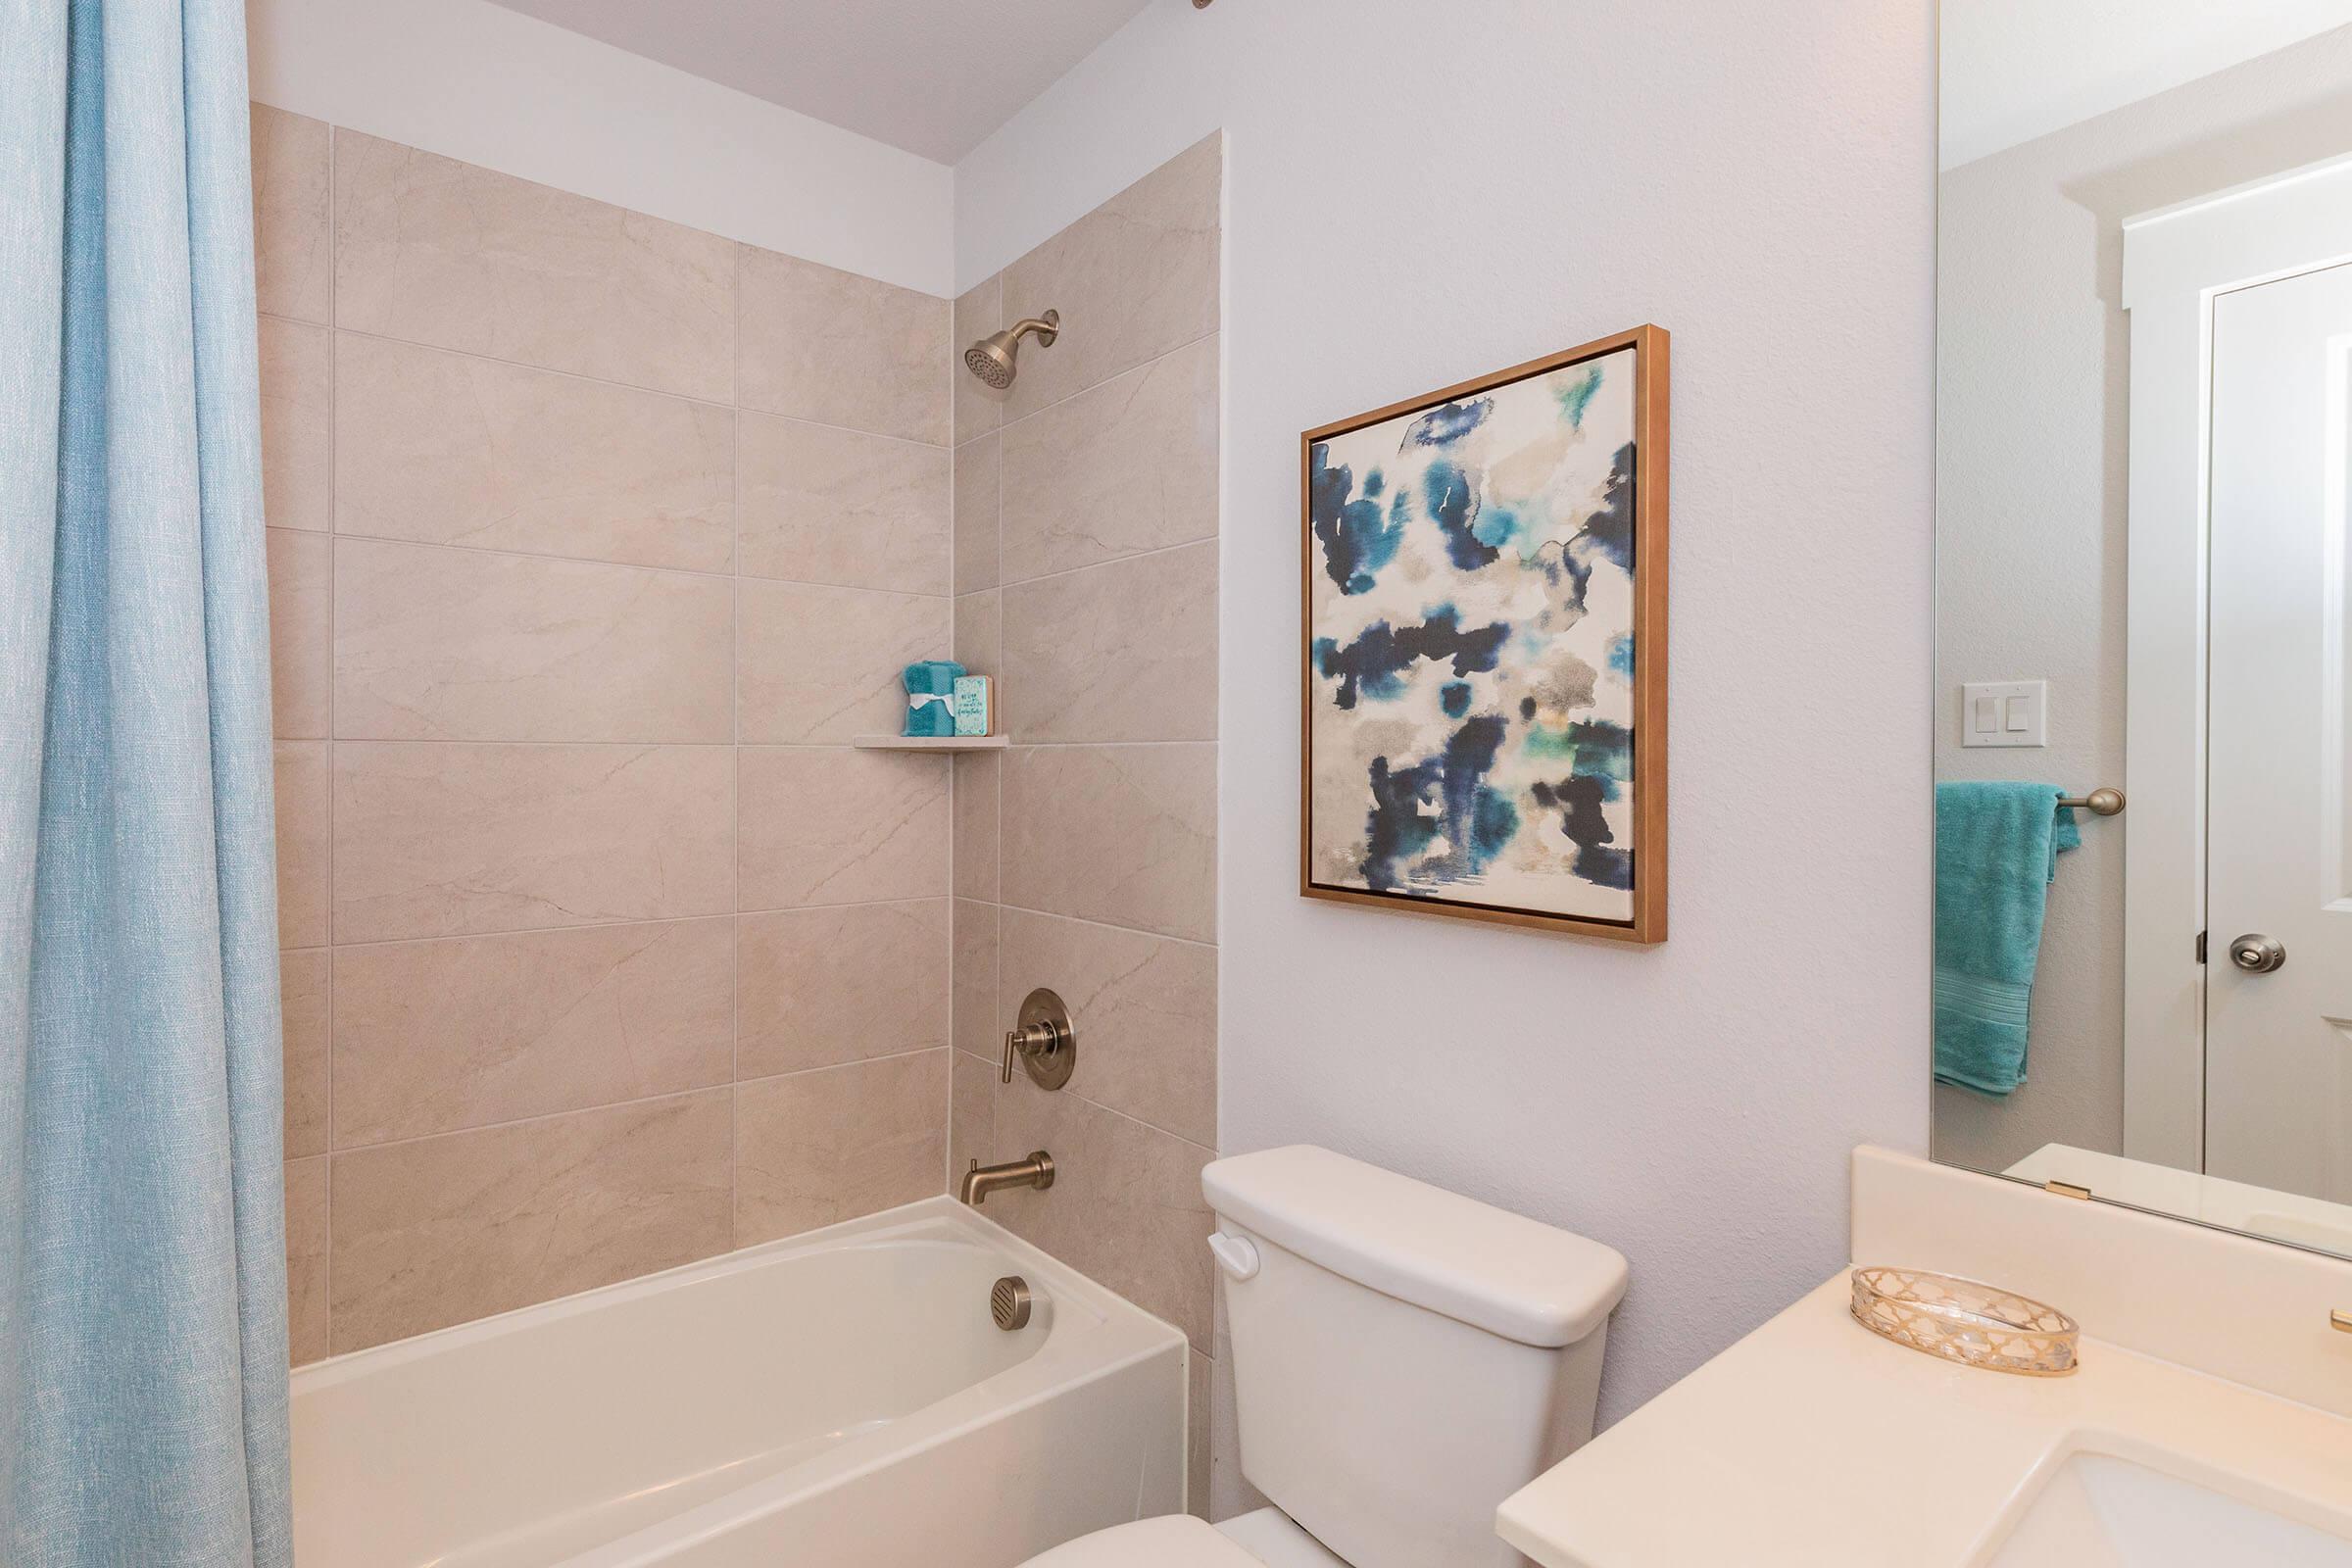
(1404, 1359)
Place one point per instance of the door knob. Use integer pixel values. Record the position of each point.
(2257, 954)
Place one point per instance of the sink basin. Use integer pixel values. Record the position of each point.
(2099, 1511)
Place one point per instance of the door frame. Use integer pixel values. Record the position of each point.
(2176, 260)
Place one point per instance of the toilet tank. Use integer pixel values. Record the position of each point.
(1404, 1357)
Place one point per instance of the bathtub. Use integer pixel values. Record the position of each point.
(842, 1399)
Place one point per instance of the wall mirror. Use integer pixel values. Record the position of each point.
(2144, 415)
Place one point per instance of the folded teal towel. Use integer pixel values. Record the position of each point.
(932, 719)
(1996, 851)
(933, 677)
(930, 697)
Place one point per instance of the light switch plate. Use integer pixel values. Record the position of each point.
(2005, 712)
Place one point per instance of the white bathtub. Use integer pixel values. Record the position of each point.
(841, 1398)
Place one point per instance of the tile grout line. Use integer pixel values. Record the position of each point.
(731, 574)
(996, 892)
(570, 1111)
(677, 746)
(1113, 561)
(1108, 925)
(334, 485)
(735, 799)
(731, 404)
(627, 923)
(955, 779)
(987, 1152)
(1083, 746)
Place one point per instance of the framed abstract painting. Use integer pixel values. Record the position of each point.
(1485, 691)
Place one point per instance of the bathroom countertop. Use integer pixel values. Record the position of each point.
(1814, 1442)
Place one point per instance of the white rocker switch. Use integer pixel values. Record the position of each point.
(2008, 713)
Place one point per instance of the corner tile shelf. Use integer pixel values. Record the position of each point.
(929, 742)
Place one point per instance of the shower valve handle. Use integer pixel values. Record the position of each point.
(1030, 1040)
(1045, 1041)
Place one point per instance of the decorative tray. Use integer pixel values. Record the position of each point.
(1964, 1321)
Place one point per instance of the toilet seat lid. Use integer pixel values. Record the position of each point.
(1173, 1540)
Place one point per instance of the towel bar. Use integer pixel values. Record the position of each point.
(2098, 802)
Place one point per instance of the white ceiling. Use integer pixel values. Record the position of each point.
(933, 77)
(2014, 70)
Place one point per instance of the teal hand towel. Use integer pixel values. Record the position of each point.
(932, 719)
(932, 677)
(1996, 851)
(930, 692)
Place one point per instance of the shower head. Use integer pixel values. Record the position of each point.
(992, 358)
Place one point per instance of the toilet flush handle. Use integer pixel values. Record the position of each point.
(1237, 1256)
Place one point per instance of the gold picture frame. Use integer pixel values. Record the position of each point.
(1490, 851)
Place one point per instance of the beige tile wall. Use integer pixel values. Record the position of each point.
(1085, 568)
(594, 541)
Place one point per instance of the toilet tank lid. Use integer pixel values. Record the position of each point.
(1440, 1251)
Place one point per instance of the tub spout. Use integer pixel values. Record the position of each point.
(981, 1180)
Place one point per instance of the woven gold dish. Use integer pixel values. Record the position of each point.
(1963, 1321)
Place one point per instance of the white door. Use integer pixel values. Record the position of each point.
(2278, 1044)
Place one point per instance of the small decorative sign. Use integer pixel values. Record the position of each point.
(975, 705)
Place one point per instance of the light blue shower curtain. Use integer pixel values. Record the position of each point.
(142, 1290)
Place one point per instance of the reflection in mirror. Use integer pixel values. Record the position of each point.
(2144, 409)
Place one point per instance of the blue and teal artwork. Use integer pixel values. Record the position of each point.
(1472, 665)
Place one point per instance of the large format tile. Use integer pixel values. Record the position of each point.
(306, 1259)
(840, 348)
(831, 505)
(1144, 1009)
(1125, 1207)
(297, 424)
(1123, 834)
(977, 815)
(444, 839)
(978, 312)
(1123, 468)
(827, 826)
(446, 1230)
(822, 1147)
(451, 449)
(435, 644)
(302, 990)
(430, 250)
(432, 1037)
(821, 666)
(1133, 278)
(293, 260)
(300, 585)
(979, 638)
(975, 987)
(977, 515)
(823, 987)
(303, 814)
(1122, 652)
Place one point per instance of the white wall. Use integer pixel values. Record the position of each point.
(1414, 195)
(475, 81)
